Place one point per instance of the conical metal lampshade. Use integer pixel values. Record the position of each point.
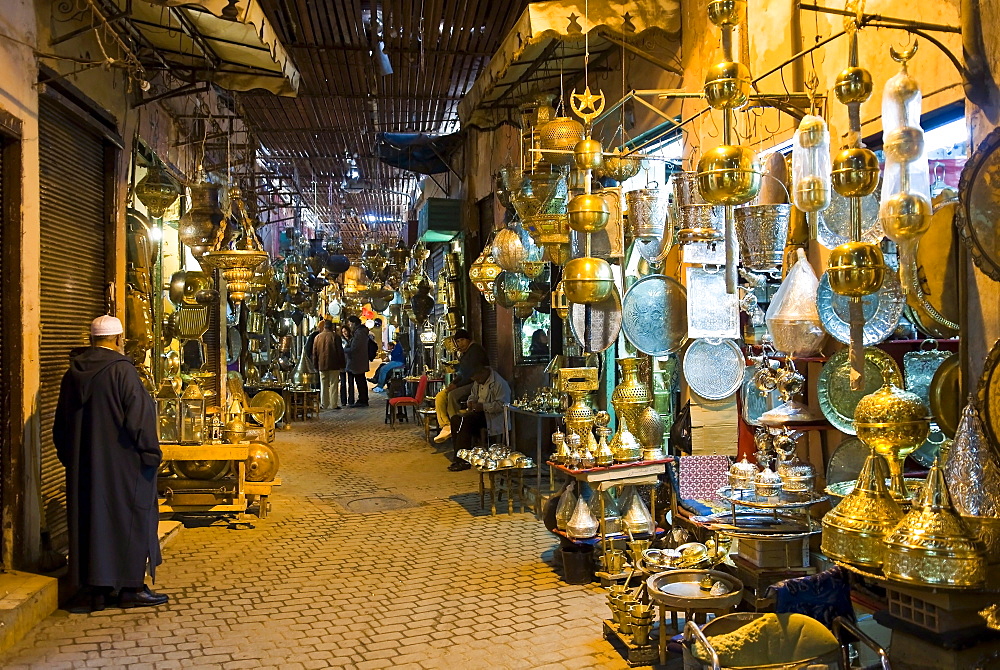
(932, 546)
(854, 530)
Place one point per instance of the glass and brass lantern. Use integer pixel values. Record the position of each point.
(168, 413)
(157, 191)
(192, 414)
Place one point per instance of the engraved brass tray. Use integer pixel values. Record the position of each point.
(270, 399)
(654, 315)
(836, 398)
(945, 395)
(989, 395)
(979, 206)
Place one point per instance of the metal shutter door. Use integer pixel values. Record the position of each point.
(489, 336)
(73, 271)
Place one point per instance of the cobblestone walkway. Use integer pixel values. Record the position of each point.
(321, 583)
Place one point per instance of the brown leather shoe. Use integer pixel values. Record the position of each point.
(143, 597)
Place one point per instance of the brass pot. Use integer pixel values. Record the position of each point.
(729, 175)
(894, 423)
(856, 269)
(854, 530)
(588, 213)
(201, 226)
(727, 85)
(932, 546)
(587, 280)
(855, 172)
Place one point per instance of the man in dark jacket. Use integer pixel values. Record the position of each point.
(473, 358)
(357, 359)
(328, 357)
(105, 437)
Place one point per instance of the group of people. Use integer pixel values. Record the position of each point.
(482, 389)
(349, 351)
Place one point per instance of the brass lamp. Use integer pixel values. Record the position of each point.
(588, 213)
(483, 272)
(237, 256)
(932, 546)
(587, 280)
(894, 423)
(729, 175)
(157, 191)
(201, 226)
(560, 134)
(854, 530)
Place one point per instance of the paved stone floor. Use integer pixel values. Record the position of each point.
(433, 584)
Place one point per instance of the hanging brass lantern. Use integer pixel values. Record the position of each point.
(588, 213)
(932, 546)
(894, 423)
(588, 154)
(727, 85)
(560, 134)
(587, 280)
(201, 226)
(511, 288)
(239, 255)
(620, 167)
(856, 269)
(560, 304)
(157, 191)
(483, 272)
(854, 531)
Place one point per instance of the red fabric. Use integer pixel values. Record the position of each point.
(407, 400)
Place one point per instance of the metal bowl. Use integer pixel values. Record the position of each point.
(681, 590)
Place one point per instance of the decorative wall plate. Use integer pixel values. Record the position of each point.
(846, 461)
(939, 276)
(946, 395)
(882, 310)
(988, 392)
(979, 206)
(714, 369)
(834, 223)
(654, 315)
(836, 398)
(270, 399)
(605, 322)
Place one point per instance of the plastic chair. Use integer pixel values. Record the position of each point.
(408, 401)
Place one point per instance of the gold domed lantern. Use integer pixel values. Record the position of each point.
(729, 175)
(932, 546)
(854, 531)
(894, 423)
(853, 84)
(157, 191)
(727, 13)
(561, 135)
(855, 172)
(856, 269)
(587, 280)
(588, 213)
(727, 85)
(588, 154)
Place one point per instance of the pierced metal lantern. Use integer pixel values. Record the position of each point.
(157, 191)
(238, 255)
(483, 272)
(168, 413)
(560, 134)
(201, 226)
(192, 415)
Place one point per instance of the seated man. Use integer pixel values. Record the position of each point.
(484, 409)
(396, 360)
(473, 357)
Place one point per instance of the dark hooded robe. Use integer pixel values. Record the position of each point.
(105, 436)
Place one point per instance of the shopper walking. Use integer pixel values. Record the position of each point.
(346, 385)
(105, 436)
(328, 357)
(446, 402)
(357, 359)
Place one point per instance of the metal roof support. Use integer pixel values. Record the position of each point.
(641, 53)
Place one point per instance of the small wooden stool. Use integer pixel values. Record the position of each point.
(428, 414)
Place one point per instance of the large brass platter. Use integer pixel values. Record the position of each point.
(979, 210)
(836, 398)
(945, 395)
(270, 399)
(989, 395)
(654, 315)
(938, 274)
(605, 322)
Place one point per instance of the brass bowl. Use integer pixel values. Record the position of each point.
(588, 213)
(905, 216)
(729, 175)
(588, 155)
(856, 269)
(587, 280)
(727, 13)
(855, 172)
(727, 85)
(854, 84)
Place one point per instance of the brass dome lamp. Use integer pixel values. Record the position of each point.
(201, 226)
(893, 422)
(157, 191)
(239, 255)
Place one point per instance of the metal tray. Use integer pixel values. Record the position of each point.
(681, 590)
(833, 387)
(654, 315)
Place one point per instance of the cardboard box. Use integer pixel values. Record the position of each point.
(774, 553)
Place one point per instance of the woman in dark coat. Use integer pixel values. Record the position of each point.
(105, 437)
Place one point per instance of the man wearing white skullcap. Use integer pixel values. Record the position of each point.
(105, 436)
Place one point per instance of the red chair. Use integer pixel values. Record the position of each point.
(407, 401)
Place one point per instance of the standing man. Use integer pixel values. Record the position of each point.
(328, 357)
(357, 359)
(484, 409)
(105, 437)
(311, 338)
(473, 357)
